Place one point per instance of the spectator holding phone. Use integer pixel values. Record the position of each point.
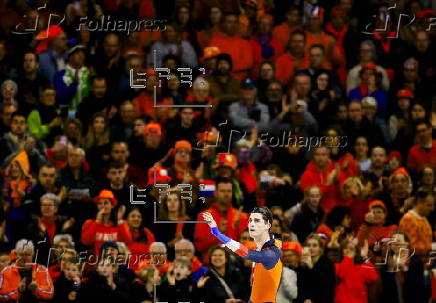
(249, 112)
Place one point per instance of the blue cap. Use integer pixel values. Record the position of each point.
(248, 83)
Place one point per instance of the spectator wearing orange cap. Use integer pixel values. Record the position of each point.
(105, 226)
(263, 45)
(229, 219)
(208, 61)
(425, 151)
(281, 33)
(181, 170)
(401, 115)
(226, 166)
(397, 195)
(52, 51)
(374, 228)
(154, 149)
(238, 48)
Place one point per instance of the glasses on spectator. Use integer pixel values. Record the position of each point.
(184, 251)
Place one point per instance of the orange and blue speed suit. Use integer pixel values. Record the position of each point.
(10, 280)
(267, 270)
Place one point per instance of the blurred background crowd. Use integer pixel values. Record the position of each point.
(89, 124)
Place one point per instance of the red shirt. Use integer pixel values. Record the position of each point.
(352, 280)
(313, 176)
(418, 156)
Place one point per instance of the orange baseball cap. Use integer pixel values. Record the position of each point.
(182, 144)
(377, 203)
(210, 52)
(405, 93)
(153, 128)
(295, 246)
(106, 194)
(161, 175)
(226, 159)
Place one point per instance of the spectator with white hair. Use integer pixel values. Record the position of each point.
(157, 258)
(73, 176)
(369, 109)
(43, 228)
(201, 96)
(9, 90)
(23, 280)
(185, 248)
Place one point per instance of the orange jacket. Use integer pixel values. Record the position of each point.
(286, 66)
(282, 33)
(10, 279)
(238, 49)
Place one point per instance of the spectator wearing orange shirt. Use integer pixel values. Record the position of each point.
(293, 59)
(415, 224)
(238, 48)
(144, 103)
(316, 35)
(215, 15)
(264, 46)
(282, 32)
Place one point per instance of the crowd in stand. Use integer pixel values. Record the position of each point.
(112, 142)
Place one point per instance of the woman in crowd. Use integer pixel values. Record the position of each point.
(361, 149)
(17, 181)
(172, 208)
(105, 225)
(96, 143)
(136, 236)
(323, 102)
(223, 281)
(320, 274)
(212, 25)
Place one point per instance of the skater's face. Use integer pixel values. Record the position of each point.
(257, 225)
